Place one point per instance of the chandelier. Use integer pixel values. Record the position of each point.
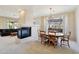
(51, 15)
(52, 19)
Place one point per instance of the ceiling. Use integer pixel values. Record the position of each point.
(35, 10)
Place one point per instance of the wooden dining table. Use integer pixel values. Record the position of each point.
(57, 35)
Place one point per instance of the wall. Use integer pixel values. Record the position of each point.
(22, 15)
(25, 19)
(42, 23)
(4, 22)
(72, 24)
(77, 25)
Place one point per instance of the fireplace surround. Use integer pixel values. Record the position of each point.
(24, 32)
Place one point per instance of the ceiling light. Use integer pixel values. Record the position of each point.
(51, 16)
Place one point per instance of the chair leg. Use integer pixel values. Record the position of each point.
(41, 41)
(54, 43)
(61, 44)
(49, 42)
(68, 44)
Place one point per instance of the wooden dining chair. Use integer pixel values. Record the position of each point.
(65, 39)
(53, 39)
(43, 37)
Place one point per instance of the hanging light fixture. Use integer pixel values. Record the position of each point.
(51, 16)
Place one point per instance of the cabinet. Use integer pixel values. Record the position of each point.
(55, 25)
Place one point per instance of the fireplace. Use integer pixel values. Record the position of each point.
(24, 32)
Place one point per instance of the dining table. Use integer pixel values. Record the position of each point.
(58, 34)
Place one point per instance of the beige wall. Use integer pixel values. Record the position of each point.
(77, 25)
(25, 19)
(22, 16)
(4, 21)
(72, 25)
(42, 23)
(1, 22)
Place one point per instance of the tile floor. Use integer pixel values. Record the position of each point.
(13, 45)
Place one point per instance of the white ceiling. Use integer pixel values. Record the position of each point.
(35, 10)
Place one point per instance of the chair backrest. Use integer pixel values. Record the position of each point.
(52, 35)
(67, 35)
(42, 33)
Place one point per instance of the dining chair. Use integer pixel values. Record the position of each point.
(65, 39)
(52, 39)
(43, 37)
